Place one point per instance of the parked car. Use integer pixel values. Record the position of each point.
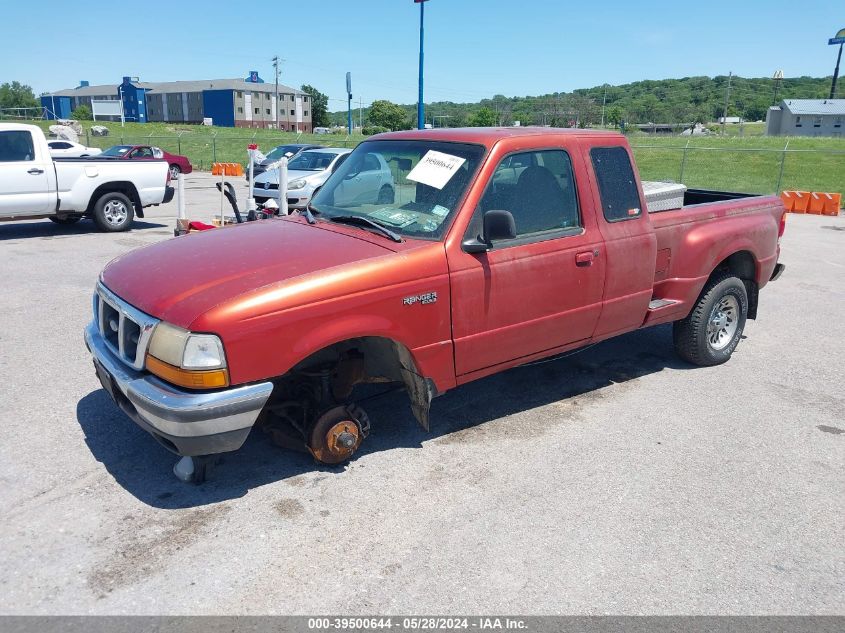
(61, 148)
(33, 185)
(306, 172)
(271, 161)
(178, 164)
(463, 275)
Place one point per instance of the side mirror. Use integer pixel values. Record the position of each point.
(498, 225)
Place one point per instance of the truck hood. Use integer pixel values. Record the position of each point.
(180, 279)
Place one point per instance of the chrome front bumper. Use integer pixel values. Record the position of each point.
(185, 422)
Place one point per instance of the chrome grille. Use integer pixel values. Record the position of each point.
(125, 329)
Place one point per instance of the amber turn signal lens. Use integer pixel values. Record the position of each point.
(192, 379)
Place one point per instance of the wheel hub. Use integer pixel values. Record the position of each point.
(337, 434)
(723, 322)
(115, 212)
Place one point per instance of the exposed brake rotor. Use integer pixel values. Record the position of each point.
(338, 433)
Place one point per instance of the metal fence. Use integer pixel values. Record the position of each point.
(203, 150)
(748, 170)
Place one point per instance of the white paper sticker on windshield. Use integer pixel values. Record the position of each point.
(435, 169)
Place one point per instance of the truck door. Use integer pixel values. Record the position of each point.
(537, 292)
(630, 242)
(24, 186)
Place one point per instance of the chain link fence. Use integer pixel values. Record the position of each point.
(765, 171)
(748, 170)
(203, 150)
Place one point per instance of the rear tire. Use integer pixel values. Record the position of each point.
(711, 332)
(113, 212)
(66, 220)
(175, 170)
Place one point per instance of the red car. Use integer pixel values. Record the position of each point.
(501, 247)
(178, 164)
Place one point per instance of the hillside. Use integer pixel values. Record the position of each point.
(658, 101)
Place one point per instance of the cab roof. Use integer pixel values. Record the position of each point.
(489, 136)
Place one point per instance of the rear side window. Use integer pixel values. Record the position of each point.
(620, 199)
(16, 146)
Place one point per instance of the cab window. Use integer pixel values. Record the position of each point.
(620, 198)
(16, 146)
(538, 188)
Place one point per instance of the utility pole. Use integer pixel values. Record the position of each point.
(276, 109)
(360, 112)
(603, 101)
(727, 99)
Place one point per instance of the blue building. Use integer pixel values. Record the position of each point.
(246, 102)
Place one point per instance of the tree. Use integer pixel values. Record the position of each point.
(17, 95)
(82, 113)
(485, 117)
(614, 115)
(319, 106)
(386, 114)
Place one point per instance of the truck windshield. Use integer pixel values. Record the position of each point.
(412, 187)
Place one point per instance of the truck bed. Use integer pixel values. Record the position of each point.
(727, 223)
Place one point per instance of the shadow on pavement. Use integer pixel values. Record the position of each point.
(144, 468)
(48, 229)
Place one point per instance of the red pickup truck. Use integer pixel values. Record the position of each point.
(499, 247)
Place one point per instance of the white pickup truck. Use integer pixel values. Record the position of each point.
(34, 185)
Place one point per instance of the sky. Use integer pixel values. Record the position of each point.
(474, 48)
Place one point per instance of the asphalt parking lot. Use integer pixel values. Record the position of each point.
(619, 480)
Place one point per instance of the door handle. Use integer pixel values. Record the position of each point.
(585, 258)
(35, 170)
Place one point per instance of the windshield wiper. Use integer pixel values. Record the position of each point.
(359, 219)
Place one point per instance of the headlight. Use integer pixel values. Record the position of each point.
(203, 351)
(299, 183)
(189, 360)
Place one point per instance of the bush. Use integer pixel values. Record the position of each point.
(369, 130)
(82, 113)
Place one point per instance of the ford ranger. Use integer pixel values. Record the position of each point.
(34, 185)
(499, 247)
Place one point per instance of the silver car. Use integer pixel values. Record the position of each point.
(307, 171)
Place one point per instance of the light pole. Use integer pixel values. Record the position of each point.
(420, 106)
(839, 39)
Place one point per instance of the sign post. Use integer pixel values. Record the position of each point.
(839, 39)
(349, 103)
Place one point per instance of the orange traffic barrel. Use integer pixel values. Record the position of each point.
(816, 203)
(832, 202)
(227, 169)
(788, 199)
(802, 201)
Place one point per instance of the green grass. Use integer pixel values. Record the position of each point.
(750, 163)
(202, 145)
